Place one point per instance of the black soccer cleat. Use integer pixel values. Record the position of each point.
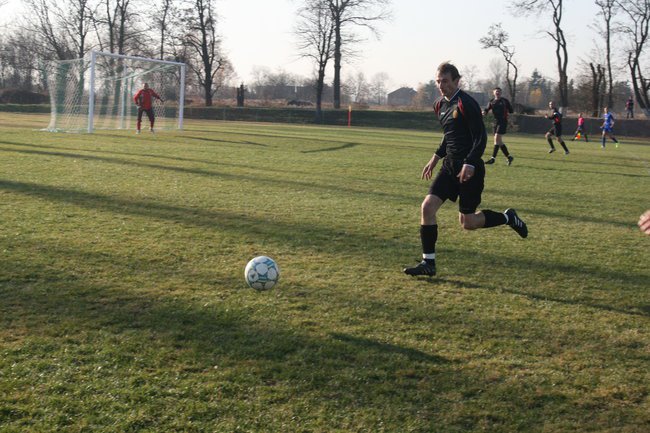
(489, 161)
(424, 268)
(517, 223)
(510, 158)
(551, 150)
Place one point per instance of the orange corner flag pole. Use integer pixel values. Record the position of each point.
(349, 115)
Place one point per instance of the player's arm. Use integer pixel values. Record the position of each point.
(474, 122)
(136, 98)
(509, 107)
(155, 95)
(487, 109)
(427, 171)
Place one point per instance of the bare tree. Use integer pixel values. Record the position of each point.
(597, 81)
(557, 34)
(497, 38)
(378, 87)
(636, 29)
(62, 27)
(315, 33)
(116, 26)
(498, 70)
(469, 74)
(607, 10)
(164, 19)
(348, 13)
(204, 46)
(358, 88)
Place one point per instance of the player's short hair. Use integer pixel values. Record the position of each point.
(448, 68)
(497, 88)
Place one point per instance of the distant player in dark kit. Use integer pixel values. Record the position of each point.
(462, 173)
(556, 129)
(500, 109)
(629, 108)
(608, 127)
(580, 131)
(144, 100)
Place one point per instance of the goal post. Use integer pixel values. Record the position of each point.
(96, 92)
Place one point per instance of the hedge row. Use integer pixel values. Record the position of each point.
(387, 119)
(419, 120)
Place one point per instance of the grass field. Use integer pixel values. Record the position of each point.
(123, 306)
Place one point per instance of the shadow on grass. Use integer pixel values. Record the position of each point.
(571, 170)
(570, 160)
(641, 310)
(362, 343)
(340, 374)
(161, 156)
(169, 334)
(331, 149)
(313, 139)
(316, 186)
(320, 238)
(214, 140)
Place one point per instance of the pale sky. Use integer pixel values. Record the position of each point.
(422, 34)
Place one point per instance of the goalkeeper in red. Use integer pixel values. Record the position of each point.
(144, 100)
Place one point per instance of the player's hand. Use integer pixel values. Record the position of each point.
(427, 171)
(644, 222)
(466, 173)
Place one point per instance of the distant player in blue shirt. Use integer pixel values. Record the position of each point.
(608, 127)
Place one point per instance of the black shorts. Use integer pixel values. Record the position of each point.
(500, 127)
(446, 185)
(556, 130)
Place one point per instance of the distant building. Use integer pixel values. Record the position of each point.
(401, 96)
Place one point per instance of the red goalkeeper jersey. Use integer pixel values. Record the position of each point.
(144, 98)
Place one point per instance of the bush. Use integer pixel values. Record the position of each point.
(17, 96)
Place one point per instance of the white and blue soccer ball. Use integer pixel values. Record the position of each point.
(262, 273)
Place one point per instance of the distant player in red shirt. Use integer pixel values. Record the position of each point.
(144, 99)
(580, 131)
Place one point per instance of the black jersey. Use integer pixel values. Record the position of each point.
(556, 117)
(500, 108)
(462, 124)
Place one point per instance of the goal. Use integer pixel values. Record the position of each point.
(96, 92)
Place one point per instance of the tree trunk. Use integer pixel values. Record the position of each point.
(337, 68)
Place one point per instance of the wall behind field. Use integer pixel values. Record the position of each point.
(420, 120)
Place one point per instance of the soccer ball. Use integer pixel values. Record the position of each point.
(262, 273)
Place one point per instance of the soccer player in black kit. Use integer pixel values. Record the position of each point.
(500, 108)
(462, 173)
(556, 129)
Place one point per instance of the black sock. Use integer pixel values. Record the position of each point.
(615, 140)
(564, 146)
(504, 149)
(429, 236)
(493, 219)
(495, 151)
(550, 142)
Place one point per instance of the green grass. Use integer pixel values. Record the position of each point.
(123, 306)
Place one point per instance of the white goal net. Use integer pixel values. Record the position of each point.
(97, 92)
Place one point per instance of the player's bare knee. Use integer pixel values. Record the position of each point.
(469, 221)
